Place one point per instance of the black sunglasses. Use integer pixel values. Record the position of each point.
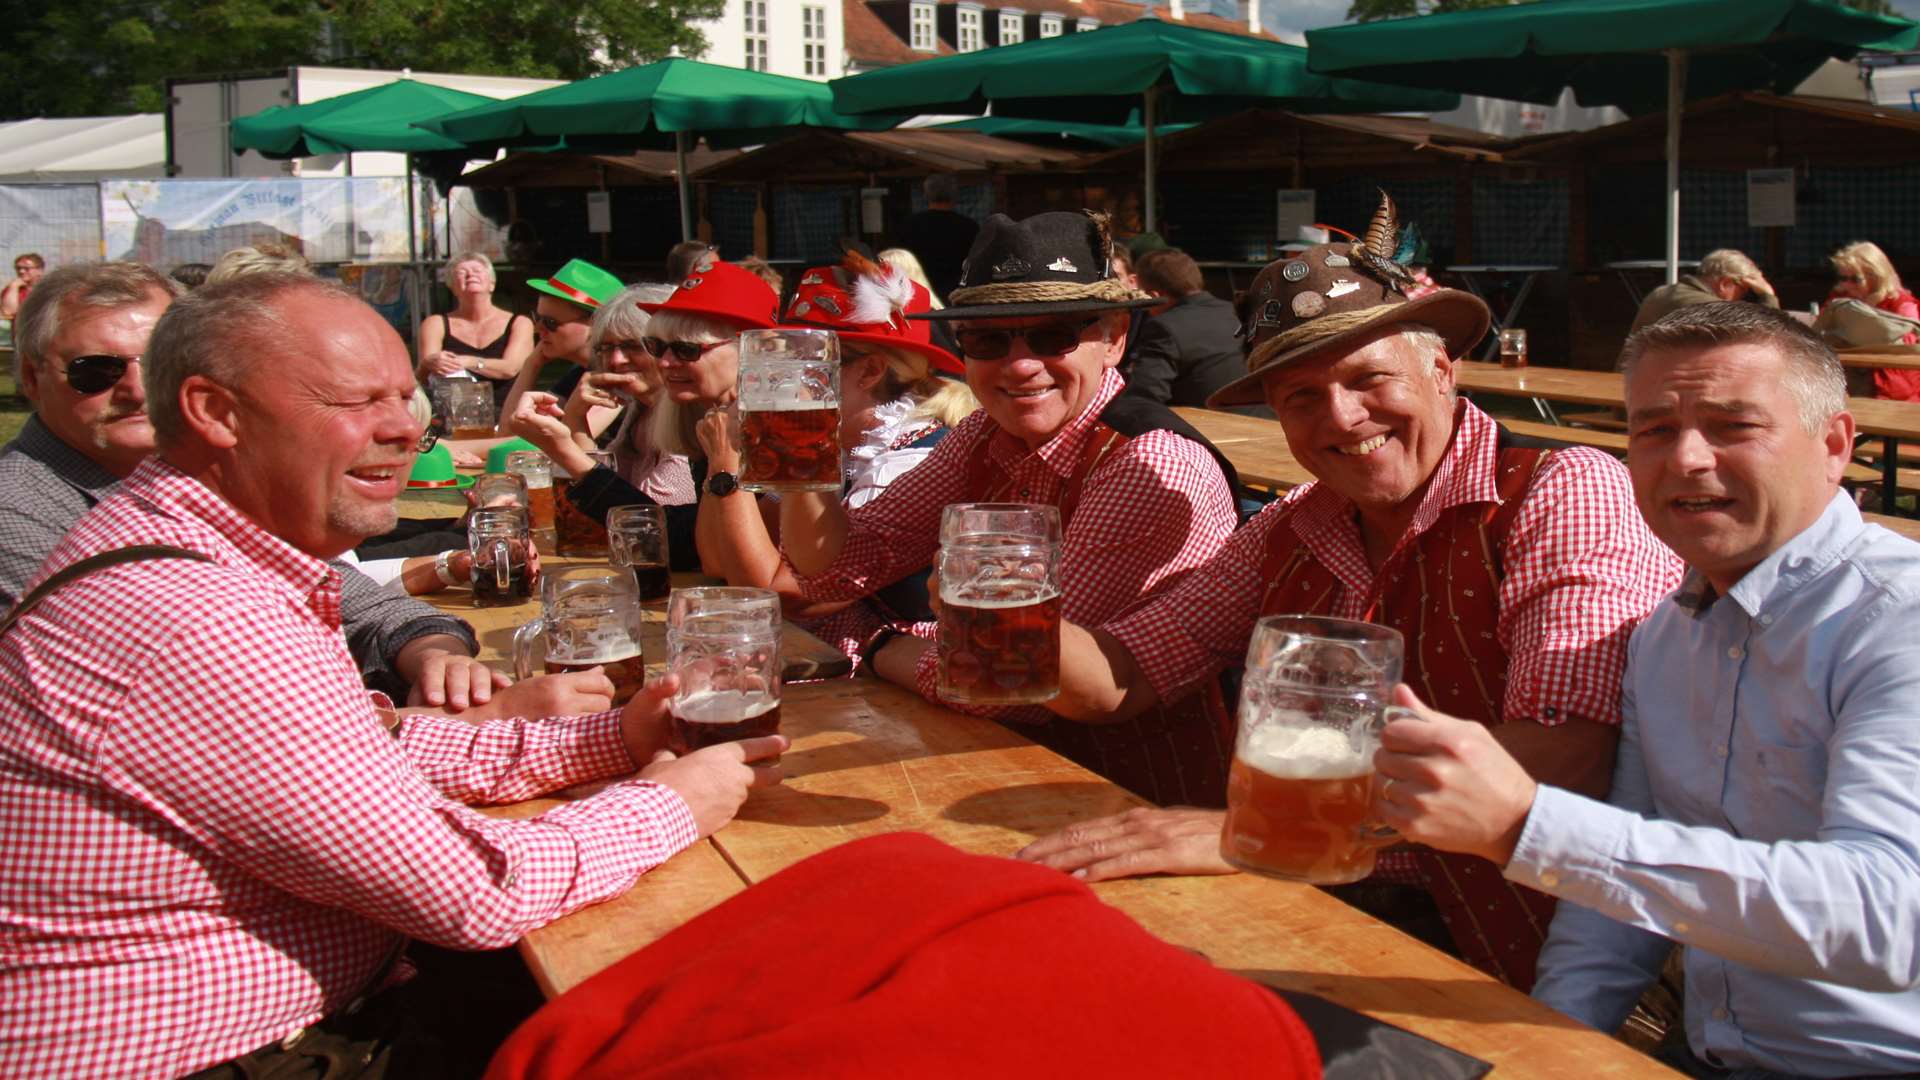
(550, 324)
(96, 373)
(607, 348)
(1048, 339)
(684, 351)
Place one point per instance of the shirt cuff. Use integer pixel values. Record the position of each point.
(1566, 848)
(597, 745)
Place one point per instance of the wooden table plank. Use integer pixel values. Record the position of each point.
(1257, 447)
(1904, 357)
(803, 656)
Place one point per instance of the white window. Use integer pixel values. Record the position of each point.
(1012, 27)
(756, 34)
(1049, 26)
(969, 35)
(1086, 24)
(921, 18)
(813, 34)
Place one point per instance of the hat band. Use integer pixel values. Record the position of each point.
(1019, 292)
(433, 483)
(1327, 326)
(572, 293)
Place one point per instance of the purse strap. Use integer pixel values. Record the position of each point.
(75, 571)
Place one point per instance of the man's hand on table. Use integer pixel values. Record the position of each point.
(714, 780)
(1176, 840)
(1449, 784)
(443, 675)
(567, 693)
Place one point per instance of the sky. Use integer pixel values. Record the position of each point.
(1281, 16)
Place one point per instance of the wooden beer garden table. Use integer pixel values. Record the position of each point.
(1256, 446)
(869, 758)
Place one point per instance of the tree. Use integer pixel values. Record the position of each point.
(1372, 10)
(114, 56)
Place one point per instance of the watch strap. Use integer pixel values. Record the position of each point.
(443, 568)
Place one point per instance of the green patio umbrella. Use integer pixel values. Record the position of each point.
(1109, 136)
(1612, 52)
(668, 104)
(1167, 70)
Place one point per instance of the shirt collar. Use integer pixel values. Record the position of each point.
(176, 494)
(1806, 556)
(1060, 454)
(1467, 473)
(79, 471)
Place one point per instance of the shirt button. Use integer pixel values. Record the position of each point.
(1766, 620)
(1681, 928)
(1719, 1014)
(1549, 879)
(1734, 652)
(1720, 750)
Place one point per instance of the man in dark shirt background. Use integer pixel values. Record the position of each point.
(940, 235)
(1188, 348)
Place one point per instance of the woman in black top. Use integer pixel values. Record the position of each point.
(447, 342)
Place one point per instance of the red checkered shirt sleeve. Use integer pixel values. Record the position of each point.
(1184, 637)
(898, 532)
(1581, 569)
(506, 761)
(1146, 520)
(287, 771)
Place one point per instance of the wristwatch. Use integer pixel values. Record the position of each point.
(443, 568)
(722, 484)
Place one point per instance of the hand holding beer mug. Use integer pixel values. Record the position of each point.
(724, 644)
(789, 401)
(999, 571)
(502, 556)
(1312, 706)
(590, 617)
(639, 537)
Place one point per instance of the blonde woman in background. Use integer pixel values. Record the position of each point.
(1863, 272)
(446, 342)
(258, 258)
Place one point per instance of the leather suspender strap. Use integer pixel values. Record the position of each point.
(75, 571)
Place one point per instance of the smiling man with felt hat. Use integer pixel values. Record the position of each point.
(1513, 572)
(1142, 497)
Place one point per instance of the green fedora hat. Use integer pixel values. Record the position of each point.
(434, 470)
(581, 282)
(497, 457)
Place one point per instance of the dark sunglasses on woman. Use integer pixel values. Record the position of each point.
(96, 373)
(1047, 339)
(684, 351)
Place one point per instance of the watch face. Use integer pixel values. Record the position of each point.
(722, 484)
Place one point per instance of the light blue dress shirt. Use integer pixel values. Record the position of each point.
(1765, 813)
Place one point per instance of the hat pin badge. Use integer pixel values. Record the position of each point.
(1063, 265)
(1341, 287)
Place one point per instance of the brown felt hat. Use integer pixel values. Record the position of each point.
(1331, 296)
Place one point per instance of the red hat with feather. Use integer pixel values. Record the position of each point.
(866, 302)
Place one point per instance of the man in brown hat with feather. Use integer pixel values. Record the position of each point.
(1515, 574)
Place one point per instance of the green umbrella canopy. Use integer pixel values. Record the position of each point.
(1611, 52)
(377, 118)
(1110, 136)
(1099, 76)
(643, 108)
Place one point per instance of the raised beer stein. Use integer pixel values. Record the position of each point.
(789, 406)
(574, 532)
(501, 489)
(639, 537)
(999, 635)
(724, 644)
(469, 409)
(589, 617)
(533, 467)
(1312, 705)
(502, 556)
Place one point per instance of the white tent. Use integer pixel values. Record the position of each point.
(84, 148)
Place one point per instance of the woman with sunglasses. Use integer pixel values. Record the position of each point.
(895, 407)
(446, 341)
(692, 340)
(1863, 272)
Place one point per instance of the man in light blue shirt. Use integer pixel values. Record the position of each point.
(1765, 810)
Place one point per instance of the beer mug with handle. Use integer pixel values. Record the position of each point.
(789, 402)
(724, 644)
(999, 635)
(502, 555)
(469, 409)
(533, 467)
(1312, 705)
(639, 537)
(589, 617)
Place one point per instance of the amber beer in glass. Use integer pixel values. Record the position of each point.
(574, 532)
(999, 632)
(1300, 793)
(724, 644)
(502, 556)
(469, 409)
(1513, 348)
(789, 402)
(589, 617)
(533, 467)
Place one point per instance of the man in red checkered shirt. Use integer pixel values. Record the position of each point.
(1143, 498)
(213, 843)
(1514, 574)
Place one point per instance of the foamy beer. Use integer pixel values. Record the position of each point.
(1300, 792)
(589, 617)
(574, 532)
(724, 644)
(533, 467)
(502, 556)
(789, 402)
(639, 537)
(999, 635)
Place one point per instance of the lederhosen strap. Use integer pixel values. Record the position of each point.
(75, 571)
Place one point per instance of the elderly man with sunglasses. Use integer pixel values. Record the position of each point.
(79, 343)
(1143, 498)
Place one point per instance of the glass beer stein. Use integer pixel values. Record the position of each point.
(533, 467)
(638, 535)
(790, 410)
(469, 409)
(999, 635)
(724, 644)
(502, 556)
(1312, 705)
(574, 532)
(500, 489)
(589, 617)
